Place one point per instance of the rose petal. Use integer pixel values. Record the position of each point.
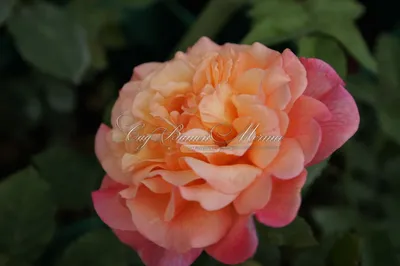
(107, 158)
(153, 255)
(284, 203)
(141, 71)
(238, 245)
(229, 179)
(194, 227)
(256, 196)
(297, 73)
(325, 85)
(108, 205)
(209, 198)
(290, 160)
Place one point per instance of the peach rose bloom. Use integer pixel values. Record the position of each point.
(206, 142)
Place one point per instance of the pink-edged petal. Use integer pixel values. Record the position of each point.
(284, 203)
(289, 162)
(194, 227)
(308, 134)
(325, 85)
(107, 157)
(153, 255)
(238, 245)
(229, 179)
(107, 183)
(343, 125)
(256, 196)
(141, 71)
(309, 107)
(209, 198)
(108, 205)
(321, 77)
(297, 73)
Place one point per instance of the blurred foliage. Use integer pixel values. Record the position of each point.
(62, 63)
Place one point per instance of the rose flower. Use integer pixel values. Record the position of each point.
(206, 142)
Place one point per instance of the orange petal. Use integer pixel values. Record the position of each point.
(209, 198)
(229, 179)
(290, 160)
(157, 185)
(176, 178)
(250, 82)
(141, 71)
(297, 73)
(256, 196)
(194, 227)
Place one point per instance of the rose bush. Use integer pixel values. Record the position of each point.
(170, 202)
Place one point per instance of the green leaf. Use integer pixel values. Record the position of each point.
(391, 172)
(99, 55)
(26, 215)
(6, 260)
(335, 219)
(350, 37)
(250, 263)
(268, 253)
(313, 172)
(326, 49)
(360, 157)
(362, 88)
(388, 110)
(49, 39)
(60, 95)
(313, 256)
(346, 251)
(388, 56)
(329, 12)
(72, 175)
(297, 234)
(377, 250)
(97, 248)
(6, 7)
(287, 20)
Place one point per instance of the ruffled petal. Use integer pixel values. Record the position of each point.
(238, 245)
(153, 255)
(284, 203)
(325, 85)
(194, 227)
(229, 179)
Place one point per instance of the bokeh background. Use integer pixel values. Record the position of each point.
(62, 63)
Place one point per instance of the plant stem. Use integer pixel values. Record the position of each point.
(213, 18)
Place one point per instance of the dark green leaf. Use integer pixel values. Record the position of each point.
(6, 7)
(388, 56)
(26, 215)
(362, 88)
(329, 12)
(313, 172)
(377, 250)
(268, 253)
(335, 219)
(326, 49)
(287, 20)
(360, 157)
(6, 260)
(250, 263)
(313, 256)
(391, 172)
(72, 175)
(347, 33)
(49, 39)
(297, 234)
(97, 248)
(346, 251)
